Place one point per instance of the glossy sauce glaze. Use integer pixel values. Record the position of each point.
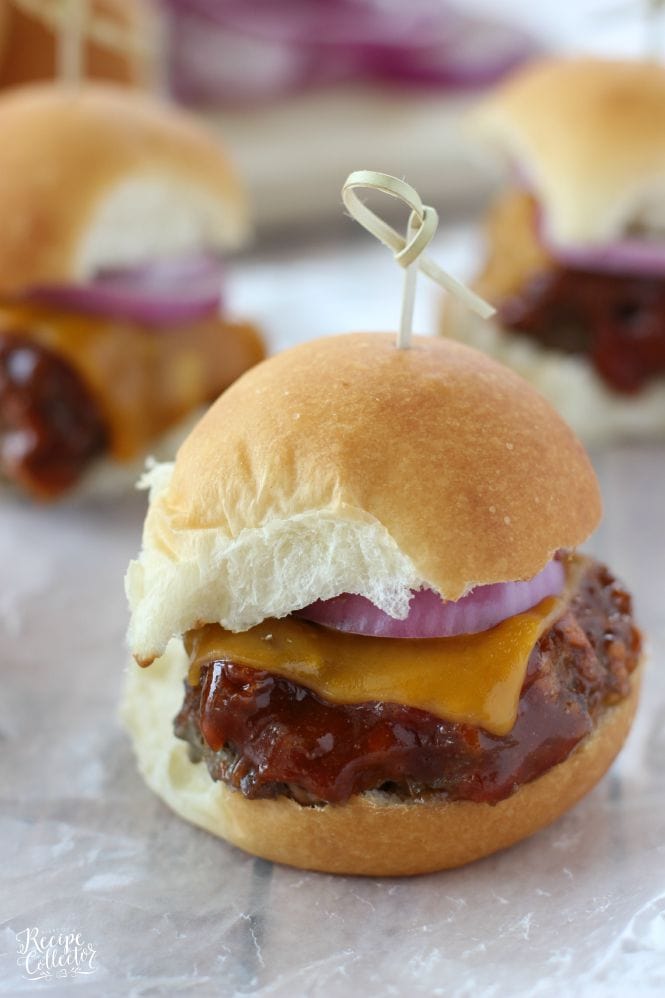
(267, 736)
(616, 320)
(102, 385)
(50, 426)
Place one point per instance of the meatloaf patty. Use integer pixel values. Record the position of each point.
(50, 426)
(267, 736)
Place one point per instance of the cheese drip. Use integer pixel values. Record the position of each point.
(143, 380)
(471, 679)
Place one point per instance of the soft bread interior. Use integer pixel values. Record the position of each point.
(374, 833)
(103, 177)
(267, 571)
(150, 217)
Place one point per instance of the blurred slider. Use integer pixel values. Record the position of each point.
(117, 211)
(575, 261)
(304, 91)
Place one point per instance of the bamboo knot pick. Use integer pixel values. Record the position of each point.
(408, 251)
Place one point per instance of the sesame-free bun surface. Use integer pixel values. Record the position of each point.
(347, 465)
(589, 135)
(101, 176)
(374, 833)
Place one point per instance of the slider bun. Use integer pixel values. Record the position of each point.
(375, 833)
(569, 381)
(347, 465)
(588, 135)
(102, 177)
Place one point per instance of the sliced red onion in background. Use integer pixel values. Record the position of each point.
(349, 24)
(431, 617)
(474, 54)
(230, 51)
(644, 257)
(160, 293)
(212, 63)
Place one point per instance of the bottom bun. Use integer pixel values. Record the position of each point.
(374, 834)
(568, 381)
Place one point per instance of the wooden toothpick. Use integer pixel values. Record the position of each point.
(76, 22)
(70, 41)
(409, 251)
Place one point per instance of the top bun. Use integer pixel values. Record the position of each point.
(589, 135)
(348, 465)
(101, 177)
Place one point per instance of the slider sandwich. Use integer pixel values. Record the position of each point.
(576, 244)
(113, 331)
(368, 643)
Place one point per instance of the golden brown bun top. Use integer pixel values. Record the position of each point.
(589, 134)
(469, 469)
(347, 465)
(102, 176)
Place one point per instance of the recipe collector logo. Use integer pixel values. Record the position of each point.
(63, 954)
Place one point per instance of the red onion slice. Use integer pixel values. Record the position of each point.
(228, 50)
(349, 24)
(473, 54)
(644, 257)
(431, 617)
(161, 293)
(210, 63)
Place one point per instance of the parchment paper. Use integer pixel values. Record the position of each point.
(85, 848)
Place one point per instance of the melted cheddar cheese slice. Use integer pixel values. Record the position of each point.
(473, 679)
